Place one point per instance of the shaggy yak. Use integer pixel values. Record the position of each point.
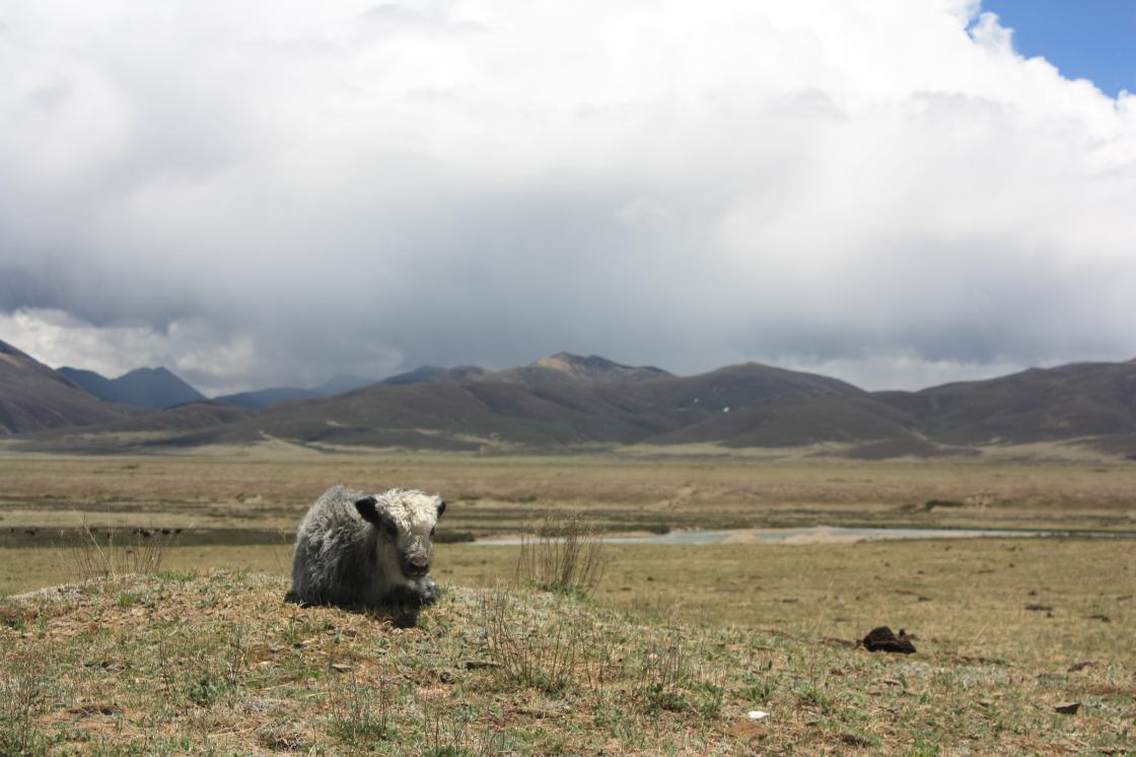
(368, 552)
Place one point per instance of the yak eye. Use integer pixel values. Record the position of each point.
(432, 530)
(391, 529)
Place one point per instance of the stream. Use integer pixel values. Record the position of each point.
(827, 535)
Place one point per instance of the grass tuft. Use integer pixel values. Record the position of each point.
(24, 691)
(537, 650)
(565, 555)
(361, 715)
(111, 552)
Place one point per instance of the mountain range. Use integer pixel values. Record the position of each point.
(155, 388)
(569, 401)
(34, 397)
(262, 398)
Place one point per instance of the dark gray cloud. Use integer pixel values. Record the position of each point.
(275, 198)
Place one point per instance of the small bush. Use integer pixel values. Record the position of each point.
(447, 733)
(114, 553)
(566, 555)
(205, 691)
(669, 679)
(362, 718)
(23, 696)
(533, 650)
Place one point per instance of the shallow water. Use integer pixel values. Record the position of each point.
(827, 535)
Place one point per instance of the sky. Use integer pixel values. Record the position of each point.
(256, 194)
(1084, 39)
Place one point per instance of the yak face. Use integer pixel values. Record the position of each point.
(405, 521)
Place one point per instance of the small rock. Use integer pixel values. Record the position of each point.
(1102, 618)
(1069, 708)
(1039, 608)
(757, 714)
(882, 639)
(340, 667)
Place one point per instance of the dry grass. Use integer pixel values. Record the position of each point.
(217, 663)
(968, 598)
(266, 492)
(93, 554)
(668, 652)
(538, 650)
(564, 553)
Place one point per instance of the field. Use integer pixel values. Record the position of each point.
(671, 652)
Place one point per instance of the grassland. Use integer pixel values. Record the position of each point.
(267, 489)
(671, 652)
(213, 661)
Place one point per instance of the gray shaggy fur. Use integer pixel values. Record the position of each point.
(367, 551)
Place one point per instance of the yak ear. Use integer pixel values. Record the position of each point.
(366, 508)
(441, 507)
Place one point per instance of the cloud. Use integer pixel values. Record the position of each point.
(275, 194)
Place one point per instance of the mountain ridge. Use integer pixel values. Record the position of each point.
(34, 397)
(155, 388)
(567, 400)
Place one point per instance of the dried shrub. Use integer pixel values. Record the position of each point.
(670, 678)
(566, 554)
(361, 715)
(547, 650)
(23, 696)
(104, 553)
(446, 731)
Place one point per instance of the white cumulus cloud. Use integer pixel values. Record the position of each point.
(885, 187)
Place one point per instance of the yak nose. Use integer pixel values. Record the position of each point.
(420, 563)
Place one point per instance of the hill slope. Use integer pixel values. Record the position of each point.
(566, 399)
(541, 406)
(194, 662)
(259, 399)
(569, 400)
(34, 397)
(1076, 400)
(156, 388)
(564, 366)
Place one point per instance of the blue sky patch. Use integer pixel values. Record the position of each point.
(1089, 39)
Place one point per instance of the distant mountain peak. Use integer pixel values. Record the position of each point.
(157, 387)
(156, 371)
(595, 367)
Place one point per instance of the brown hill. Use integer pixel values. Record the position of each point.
(838, 418)
(1070, 401)
(566, 400)
(564, 366)
(541, 406)
(34, 397)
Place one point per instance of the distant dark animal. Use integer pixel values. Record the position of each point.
(368, 551)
